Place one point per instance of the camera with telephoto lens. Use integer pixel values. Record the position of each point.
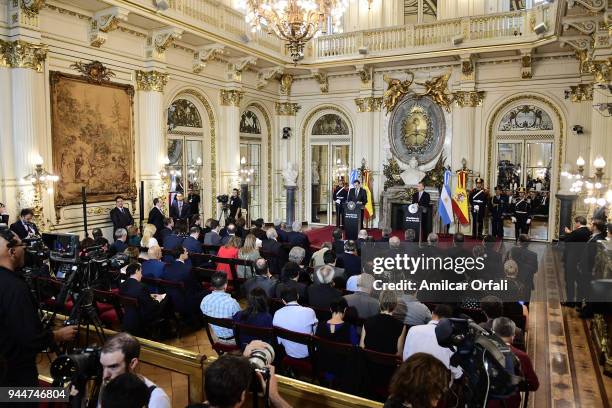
(487, 361)
(81, 365)
(261, 358)
(223, 198)
(36, 253)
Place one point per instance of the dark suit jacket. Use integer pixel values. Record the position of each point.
(193, 245)
(277, 255)
(121, 219)
(573, 250)
(156, 217)
(300, 287)
(4, 219)
(298, 239)
(171, 241)
(149, 309)
(163, 233)
(117, 247)
(321, 295)
(153, 268)
(362, 196)
(212, 238)
(351, 264)
(18, 228)
(185, 210)
(267, 284)
(282, 235)
(424, 201)
(188, 301)
(338, 247)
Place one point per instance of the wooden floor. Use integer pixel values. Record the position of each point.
(557, 342)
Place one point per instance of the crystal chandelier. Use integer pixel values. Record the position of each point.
(294, 21)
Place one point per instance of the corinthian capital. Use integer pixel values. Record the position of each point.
(231, 97)
(22, 54)
(151, 80)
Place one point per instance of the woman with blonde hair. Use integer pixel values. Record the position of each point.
(228, 251)
(249, 252)
(148, 240)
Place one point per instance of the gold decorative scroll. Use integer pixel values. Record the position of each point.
(286, 108)
(437, 89)
(230, 97)
(469, 99)
(369, 104)
(22, 54)
(581, 92)
(151, 80)
(95, 71)
(32, 7)
(396, 89)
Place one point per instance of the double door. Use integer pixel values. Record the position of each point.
(329, 164)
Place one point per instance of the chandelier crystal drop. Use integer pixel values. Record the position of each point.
(294, 21)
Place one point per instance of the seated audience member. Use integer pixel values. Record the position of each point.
(329, 258)
(148, 240)
(515, 291)
(361, 300)
(362, 237)
(172, 241)
(126, 390)
(317, 257)
(493, 307)
(383, 332)
(505, 328)
(258, 229)
(212, 237)
(227, 381)
(167, 230)
(228, 251)
(24, 227)
(422, 339)
(185, 301)
(119, 355)
(394, 244)
(248, 252)
(386, 235)
(295, 318)
(192, 243)
(297, 237)
(274, 250)
(262, 279)
(297, 255)
(149, 309)
(120, 244)
(321, 295)
(278, 227)
(153, 267)
(338, 243)
(420, 382)
(220, 304)
(228, 232)
(410, 310)
(289, 279)
(349, 260)
(133, 236)
(256, 314)
(97, 233)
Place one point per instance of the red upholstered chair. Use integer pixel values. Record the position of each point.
(297, 367)
(248, 331)
(220, 347)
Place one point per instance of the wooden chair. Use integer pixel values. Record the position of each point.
(325, 350)
(295, 366)
(244, 333)
(109, 307)
(220, 347)
(383, 366)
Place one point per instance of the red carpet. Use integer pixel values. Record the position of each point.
(319, 235)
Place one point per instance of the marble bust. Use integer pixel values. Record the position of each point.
(290, 174)
(315, 174)
(412, 175)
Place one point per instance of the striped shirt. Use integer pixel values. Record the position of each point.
(221, 305)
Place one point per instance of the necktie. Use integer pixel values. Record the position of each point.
(420, 194)
(180, 207)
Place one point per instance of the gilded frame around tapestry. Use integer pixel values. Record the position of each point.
(92, 132)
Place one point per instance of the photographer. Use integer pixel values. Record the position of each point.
(235, 203)
(22, 335)
(119, 355)
(228, 379)
(25, 228)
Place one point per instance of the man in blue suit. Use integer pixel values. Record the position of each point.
(153, 267)
(191, 243)
(349, 260)
(167, 230)
(149, 309)
(120, 244)
(186, 301)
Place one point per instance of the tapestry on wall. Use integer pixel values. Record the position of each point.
(93, 139)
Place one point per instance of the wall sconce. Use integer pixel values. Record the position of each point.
(40, 178)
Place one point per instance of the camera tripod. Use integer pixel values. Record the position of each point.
(224, 211)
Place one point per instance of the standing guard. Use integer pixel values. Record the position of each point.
(478, 204)
(521, 215)
(497, 207)
(340, 196)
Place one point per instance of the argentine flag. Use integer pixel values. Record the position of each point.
(354, 175)
(445, 208)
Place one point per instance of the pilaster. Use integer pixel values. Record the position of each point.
(229, 150)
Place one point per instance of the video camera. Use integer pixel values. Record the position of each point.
(223, 199)
(487, 362)
(82, 364)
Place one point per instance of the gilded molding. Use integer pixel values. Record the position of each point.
(104, 22)
(151, 80)
(230, 97)
(369, 104)
(285, 84)
(95, 71)
(365, 74)
(396, 89)
(22, 54)
(32, 7)
(286, 108)
(322, 79)
(526, 61)
(602, 71)
(437, 89)
(467, 69)
(581, 92)
(469, 99)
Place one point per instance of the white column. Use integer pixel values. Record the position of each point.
(7, 173)
(229, 147)
(601, 141)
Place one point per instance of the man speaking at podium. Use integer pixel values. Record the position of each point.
(359, 196)
(421, 198)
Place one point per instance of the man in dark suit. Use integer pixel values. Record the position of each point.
(340, 195)
(359, 196)
(422, 199)
(587, 259)
(25, 228)
(527, 262)
(149, 309)
(235, 203)
(120, 244)
(262, 279)
(120, 215)
(186, 301)
(191, 243)
(297, 238)
(321, 295)
(213, 237)
(275, 250)
(574, 245)
(258, 230)
(156, 217)
(180, 210)
(349, 260)
(280, 231)
(165, 231)
(289, 275)
(4, 216)
(498, 206)
(338, 244)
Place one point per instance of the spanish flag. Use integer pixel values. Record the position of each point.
(460, 199)
(367, 186)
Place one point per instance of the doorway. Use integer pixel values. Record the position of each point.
(329, 164)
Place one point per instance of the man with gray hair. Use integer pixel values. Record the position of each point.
(506, 328)
(296, 237)
(361, 300)
(279, 227)
(297, 255)
(322, 294)
(394, 243)
(432, 239)
(120, 243)
(274, 251)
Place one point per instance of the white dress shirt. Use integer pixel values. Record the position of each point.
(422, 339)
(298, 319)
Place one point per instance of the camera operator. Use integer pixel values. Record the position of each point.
(4, 215)
(228, 379)
(22, 335)
(235, 203)
(119, 355)
(25, 228)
